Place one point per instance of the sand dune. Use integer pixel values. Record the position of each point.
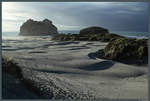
(64, 70)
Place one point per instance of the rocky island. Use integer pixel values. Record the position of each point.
(38, 28)
(93, 30)
(93, 33)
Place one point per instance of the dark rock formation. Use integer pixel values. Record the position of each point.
(127, 49)
(94, 30)
(35, 28)
(86, 37)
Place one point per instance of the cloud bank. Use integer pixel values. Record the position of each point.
(116, 16)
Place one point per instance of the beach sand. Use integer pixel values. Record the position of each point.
(64, 70)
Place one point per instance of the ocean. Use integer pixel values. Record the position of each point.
(139, 35)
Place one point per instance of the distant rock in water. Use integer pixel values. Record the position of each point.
(38, 28)
(94, 30)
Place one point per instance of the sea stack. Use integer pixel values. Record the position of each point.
(93, 30)
(38, 28)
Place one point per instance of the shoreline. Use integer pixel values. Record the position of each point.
(70, 32)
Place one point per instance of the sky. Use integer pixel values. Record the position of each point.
(115, 16)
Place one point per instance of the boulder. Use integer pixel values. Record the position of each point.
(123, 49)
(38, 28)
(94, 30)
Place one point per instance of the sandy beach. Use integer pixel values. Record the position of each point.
(65, 70)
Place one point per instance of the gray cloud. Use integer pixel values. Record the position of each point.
(116, 16)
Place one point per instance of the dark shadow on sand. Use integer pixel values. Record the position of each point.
(3, 46)
(99, 45)
(79, 48)
(98, 66)
(19, 48)
(37, 52)
(99, 54)
(130, 61)
(66, 43)
(57, 44)
(56, 71)
(125, 75)
(72, 47)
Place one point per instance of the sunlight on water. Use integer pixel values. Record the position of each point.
(15, 36)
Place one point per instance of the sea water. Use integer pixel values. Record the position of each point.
(139, 35)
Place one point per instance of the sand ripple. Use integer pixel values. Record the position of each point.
(64, 70)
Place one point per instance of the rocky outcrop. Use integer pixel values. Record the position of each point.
(94, 30)
(86, 37)
(38, 28)
(127, 49)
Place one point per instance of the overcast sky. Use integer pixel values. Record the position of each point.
(116, 16)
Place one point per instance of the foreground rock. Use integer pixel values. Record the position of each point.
(123, 49)
(36, 28)
(93, 30)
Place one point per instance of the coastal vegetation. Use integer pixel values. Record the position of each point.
(124, 49)
(13, 77)
(11, 67)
